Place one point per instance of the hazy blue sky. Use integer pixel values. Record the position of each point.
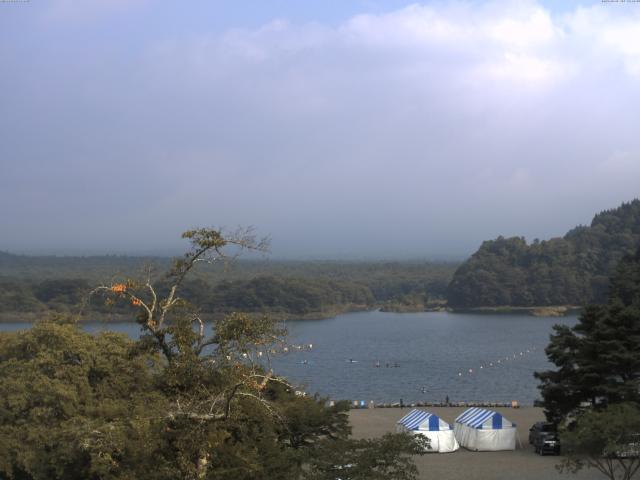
(340, 128)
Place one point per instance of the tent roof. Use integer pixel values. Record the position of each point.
(417, 418)
(477, 417)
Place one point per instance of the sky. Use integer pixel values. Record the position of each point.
(341, 129)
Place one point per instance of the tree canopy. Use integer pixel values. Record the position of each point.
(594, 393)
(572, 270)
(598, 359)
(178, 402)
(311, 289)
(607, 440)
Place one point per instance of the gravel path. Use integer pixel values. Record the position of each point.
(521, 464)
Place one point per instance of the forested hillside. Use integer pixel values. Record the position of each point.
(572, 270)
(291, 288)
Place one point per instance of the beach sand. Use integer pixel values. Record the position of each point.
(523, 463)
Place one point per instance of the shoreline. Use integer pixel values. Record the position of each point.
(88, 317)
(514, 404)
(535, 311)
(548, 311)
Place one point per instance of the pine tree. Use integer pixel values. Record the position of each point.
(594, 394)
(598, 359)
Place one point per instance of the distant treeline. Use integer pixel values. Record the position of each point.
(572, 270)
(39, 284)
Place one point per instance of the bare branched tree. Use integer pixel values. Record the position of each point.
(207, 373)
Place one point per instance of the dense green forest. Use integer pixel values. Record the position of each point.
(175, 403)
(33, 285)
(572, 270)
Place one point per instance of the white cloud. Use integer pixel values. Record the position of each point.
(525, 70)
(607, 37)
(381, 108)
(431, 117)
(519, 43)
(527, 28)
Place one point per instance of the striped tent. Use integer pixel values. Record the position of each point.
(484, 430)
(438, 433)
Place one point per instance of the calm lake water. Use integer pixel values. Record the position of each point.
(421, 356)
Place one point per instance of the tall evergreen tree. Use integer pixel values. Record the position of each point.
(598, 359)
(594, 394)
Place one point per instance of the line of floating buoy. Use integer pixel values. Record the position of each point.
(286, 349)
(283, 349)
(500, 361)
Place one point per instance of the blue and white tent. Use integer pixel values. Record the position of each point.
(438, 433)
(485, 430)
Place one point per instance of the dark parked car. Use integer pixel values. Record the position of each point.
(541, 429)
(547, 444)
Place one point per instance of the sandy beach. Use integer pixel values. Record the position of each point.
(522, 463)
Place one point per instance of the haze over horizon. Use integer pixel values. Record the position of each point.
(342, 129)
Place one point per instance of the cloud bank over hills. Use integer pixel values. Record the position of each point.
(420, 130)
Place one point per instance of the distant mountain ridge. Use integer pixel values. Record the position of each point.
(571, 270)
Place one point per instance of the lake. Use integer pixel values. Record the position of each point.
(425, 356)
